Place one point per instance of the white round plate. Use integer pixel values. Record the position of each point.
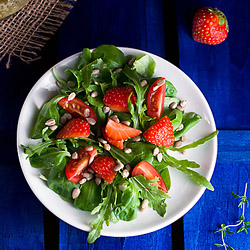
(184, 192)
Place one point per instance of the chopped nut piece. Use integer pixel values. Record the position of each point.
(71, 96)
(127, 150)
(75, 193)
(156, 151)
(173, 105)
(125, 173)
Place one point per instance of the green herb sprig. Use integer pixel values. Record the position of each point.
(241, 224)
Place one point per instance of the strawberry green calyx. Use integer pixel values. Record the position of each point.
(221, 16)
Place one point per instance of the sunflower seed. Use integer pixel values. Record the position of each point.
(95, 72)
(144, 205)
(68, 116)
(131, 61)
(125, 173)
(83, 180)
(114, 118)
(180, 107)
(91, 121)
(59, 84)
(98, 181)
(183, 103)
(173, 105)
(119, 166)
(159, 157)
(127, 123)
(76, 192)
(128, 167)
(94, 94)
(101, 140)
(122, 187)
(117, 70)
(180, 127)
(63, 120)
(144, 83)
(177, 144)
(74, 156)
(71, 96)
(89, 148)
(71, 84)
(127, 150)
(54, 127)
(106, 109)
(50, 122)
(156, 151)
(183, 138)
(107, 147)
(88, 176)
(86, 112)
(136, 138)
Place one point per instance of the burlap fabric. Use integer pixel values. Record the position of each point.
(25, 33)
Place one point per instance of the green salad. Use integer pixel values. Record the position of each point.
(104, 139)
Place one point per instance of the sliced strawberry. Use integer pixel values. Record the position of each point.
(117, 98)
(116, 143)
(76, 166)
(150, 173)
(77, 127)
(77, 108)
(161, 133)
(119, 131)
(104, 166)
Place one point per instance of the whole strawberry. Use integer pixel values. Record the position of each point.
(210, 26)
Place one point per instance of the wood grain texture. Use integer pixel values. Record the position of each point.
(137, 24)
(72, 238)
(221, 71)
(21, 219)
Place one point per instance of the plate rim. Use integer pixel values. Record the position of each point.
(194, 200)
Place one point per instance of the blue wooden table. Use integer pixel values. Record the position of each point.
(222, 73)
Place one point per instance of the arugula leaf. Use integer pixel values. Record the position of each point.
(128, 202)
(59, 79)
(189, 120)
(41, 146)
(59, 183)
(182, 165)
(153, 194)
(144, 65)
(196, 143)
(170, 89)
(84, 59)
(111, 55)
(104, 209)
(49, 158)
(140, 94)
(48, 111)
(89, 197)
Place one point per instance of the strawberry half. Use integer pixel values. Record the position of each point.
(77, 127)
(104, 166)
(117, 98)
(161, 133)
(210, 26)
(119, 131)
(116, 143)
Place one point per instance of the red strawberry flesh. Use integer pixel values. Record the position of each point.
(104, 166)
(117, 98)
(161, 133)
(119, 131)
(77, 127)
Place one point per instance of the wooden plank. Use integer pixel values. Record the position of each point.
(72, 238)
(222, 73)
(218, 207)
(234, 146)
(21, 220)
(137, 24)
